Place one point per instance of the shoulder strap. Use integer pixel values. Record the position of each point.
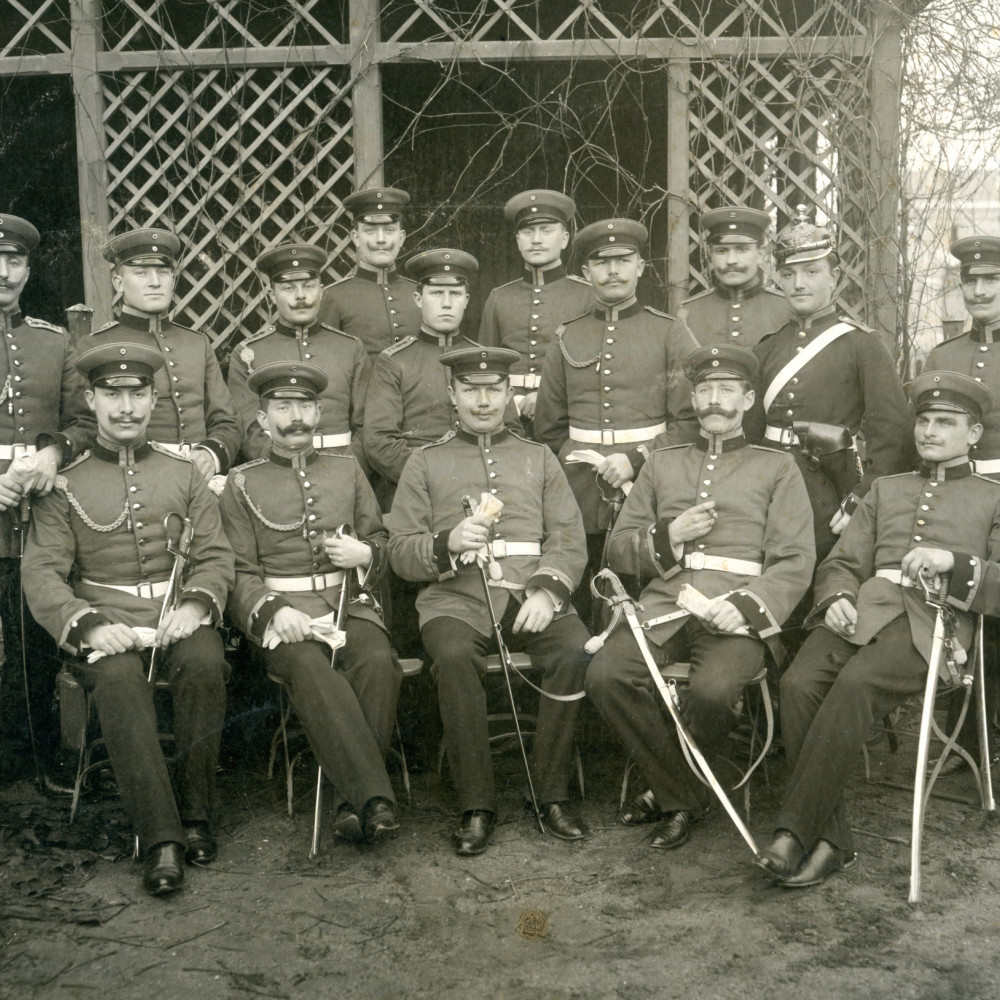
(799, 362)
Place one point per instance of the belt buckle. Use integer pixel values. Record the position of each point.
(144, 590)
(19, 450)
(696, 560)
(608, 437)
(499, 548)
(319, 581)
(786, 437)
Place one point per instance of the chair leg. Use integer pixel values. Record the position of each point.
(317, 814)
(982, 725)
(401, 753)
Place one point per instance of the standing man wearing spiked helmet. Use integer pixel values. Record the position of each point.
(196, 415)
(374, 302)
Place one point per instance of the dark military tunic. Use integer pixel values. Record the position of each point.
(539, 512)
(276, 511)
(611, 372)
(523, 315)
(341, 357)
(101, 527)
(739, 316)
(759, 552)
(194, 406)
(837, 685)
(374, 305)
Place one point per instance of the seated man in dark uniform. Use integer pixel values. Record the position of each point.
(537, 552)
(733, 521)
(873, 628)
(282, 514)
(102, 527)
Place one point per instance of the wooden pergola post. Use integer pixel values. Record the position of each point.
(678, 180)
(366, 92)
(86, 43)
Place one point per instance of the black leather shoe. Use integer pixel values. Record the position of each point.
(164, 869)
(641, 809)
(781, 857)
(824, 859)
(380, 820)
(347, 825)
(473, 835)
(675, 828)
(201, 846)
(561, 822)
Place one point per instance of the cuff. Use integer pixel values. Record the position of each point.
(756, 612)
(79, 627)
(62, 442)
(849, 504)
(218, 453)
(205, 597)
(814, 617)
(637, 456)
(261, 615)
(661, 551)
(441, 557)
(965, 578)
(553, 585)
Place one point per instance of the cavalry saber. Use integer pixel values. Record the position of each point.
(180, 552)
(342, 604)
(24, 516)
(668, 692)
(508, 667)
(985, 775)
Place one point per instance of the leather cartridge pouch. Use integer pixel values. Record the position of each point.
(829, 448)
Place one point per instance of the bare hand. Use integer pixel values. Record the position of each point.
(346, 552)
(112, 638)
(616, 469)
(695, 522)
(929, 563)
(842, 617)
(204, 462)
(46, 466)
(839, 521)
(468, 535)
(10, 492)
(291, 625)
(528, 404)
(536, 613)
(180, 623)
(724, 616)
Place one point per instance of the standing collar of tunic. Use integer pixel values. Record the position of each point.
(717, 444)
(617, 313)
(121, 455)
(742, 292)
(378, 275)
(150, 322)
(441, 339)
(293, 459)
(295, 331)
(983, 334)
(8, 320)
(544, 275)
(943, 472)
(482, 440)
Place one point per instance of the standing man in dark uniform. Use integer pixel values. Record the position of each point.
(282, 513)
(196, 416)
(374, 302)
(102, 527)
(740, 308)
(612, 380)
(536, 546)
(42, 415)
(733, 521)
(873, 627)
(293, 271)
(523, 314)
(824, 378)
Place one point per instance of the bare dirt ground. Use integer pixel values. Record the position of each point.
(532, 917)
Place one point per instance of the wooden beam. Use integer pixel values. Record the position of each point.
(233, 58)
(47, 65)
(678, 180)
(91, 171)
(366, 93)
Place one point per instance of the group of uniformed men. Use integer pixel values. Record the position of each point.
(365, 400)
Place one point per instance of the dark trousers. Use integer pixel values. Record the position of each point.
(43, 666)
(622, 689)
(458, 653)
(196, 672)
(348, 711)
(829, 697)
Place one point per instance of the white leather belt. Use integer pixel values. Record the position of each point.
(783, 435)
(299, 584)
(147, 590)
(177, 449)
(611, 436)
(501, 548)
(8, 452)
(744, 567)
(896, 576)
(528, 380)
(332, 440)
(986, 466)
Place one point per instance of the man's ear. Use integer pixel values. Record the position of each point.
(262, 420)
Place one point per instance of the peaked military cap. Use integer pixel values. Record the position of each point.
(288, 380)
(734, 224)
(977, 254)
(292, 260)
(143, 246)
(950, 391)
(377, 205)
(117, 365)
(539, 205)
(17, 235)
(802, 241)
(610, 238)
(480, 365)
(442, 267)
(724, 361)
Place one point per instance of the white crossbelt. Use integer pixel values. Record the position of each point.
(332, 440)
(896, 576)
(147, 590)
(612, 436)
(783, 435)
(8, 452)
(529, 380)
(501, 548)
(722, 564)
(299, 584)
(986, 466)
